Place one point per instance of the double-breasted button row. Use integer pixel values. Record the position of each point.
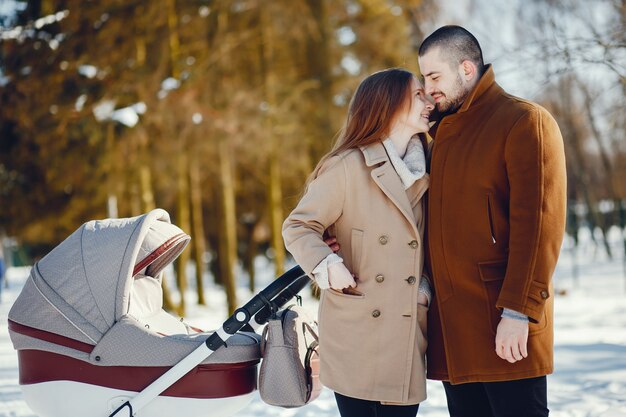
(376, 313)
(384, 239)
(411, 280)
(544, 294)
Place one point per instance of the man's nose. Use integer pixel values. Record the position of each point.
(429, 88)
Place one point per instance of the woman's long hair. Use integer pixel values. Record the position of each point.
(372, 110)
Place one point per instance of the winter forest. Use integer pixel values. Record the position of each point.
(217, 110)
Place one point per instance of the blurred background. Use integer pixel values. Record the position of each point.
(218, 110)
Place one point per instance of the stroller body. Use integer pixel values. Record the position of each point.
(91, 333)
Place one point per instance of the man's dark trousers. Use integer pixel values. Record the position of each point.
(519, 398)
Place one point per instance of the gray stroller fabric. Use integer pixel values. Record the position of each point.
(102, 286)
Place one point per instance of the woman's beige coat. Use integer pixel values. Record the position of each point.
(372, 346)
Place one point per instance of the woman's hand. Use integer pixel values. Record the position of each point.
(339, 277)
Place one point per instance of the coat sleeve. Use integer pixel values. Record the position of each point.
(535, 163)
(319, 208)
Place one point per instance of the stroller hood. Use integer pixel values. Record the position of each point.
(82, 287)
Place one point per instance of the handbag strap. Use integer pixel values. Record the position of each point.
(306, 326)
(273, 329)
(264, 340)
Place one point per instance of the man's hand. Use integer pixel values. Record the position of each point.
(511, 339)
(339, 277)
(332, 243)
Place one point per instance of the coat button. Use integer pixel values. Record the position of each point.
(411, 280)
(383, 240)
(413, 244)
(380, 278)
(544, 294)
(376, 313)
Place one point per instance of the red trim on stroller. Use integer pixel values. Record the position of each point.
(50, 337)
(204, 381)
(158, 252)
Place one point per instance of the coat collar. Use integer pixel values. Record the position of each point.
(485, 89)
(486, 86)
(374, 153)
(387, 179)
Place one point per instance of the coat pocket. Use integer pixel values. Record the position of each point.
(356, 244)
(492, 275)
(344, 295)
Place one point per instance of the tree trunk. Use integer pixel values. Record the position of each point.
(199, 244)
(589, 195)
(147, 194)
(229, 255)
(183, 222)
(252, 248)
(319, 68)
(249, 221)
(112, 210)
(174, 42)
(276, 213)
(145, 173)
(274, 184)
(607, 164)
(216, 222)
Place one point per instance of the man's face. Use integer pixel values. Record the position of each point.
(444, 83)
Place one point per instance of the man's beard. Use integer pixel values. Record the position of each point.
(458, 96)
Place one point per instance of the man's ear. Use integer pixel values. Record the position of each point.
(468, 70)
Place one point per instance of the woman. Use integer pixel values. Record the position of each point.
(368, 193)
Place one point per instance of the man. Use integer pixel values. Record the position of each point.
(496, 218)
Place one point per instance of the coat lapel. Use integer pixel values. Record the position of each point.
(416, 191)
(388, 181)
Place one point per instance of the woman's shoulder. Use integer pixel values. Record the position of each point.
(351, 157)
(344, 159)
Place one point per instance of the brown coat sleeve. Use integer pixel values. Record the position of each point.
(535, 163)
(319, 208)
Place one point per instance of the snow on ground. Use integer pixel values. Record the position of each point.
(590, 340)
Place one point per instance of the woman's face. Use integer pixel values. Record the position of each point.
(415, 116)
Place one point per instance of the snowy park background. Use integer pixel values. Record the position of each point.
(570, 55)
(590, 340)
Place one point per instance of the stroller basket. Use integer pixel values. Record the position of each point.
(93, 339)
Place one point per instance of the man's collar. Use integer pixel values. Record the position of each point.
(487, 80)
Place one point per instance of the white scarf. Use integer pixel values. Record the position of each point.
(413, 166)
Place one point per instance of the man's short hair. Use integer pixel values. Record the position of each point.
(456, 44)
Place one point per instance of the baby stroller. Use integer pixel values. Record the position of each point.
(93, 339)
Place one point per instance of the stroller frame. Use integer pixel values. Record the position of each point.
(256, 311)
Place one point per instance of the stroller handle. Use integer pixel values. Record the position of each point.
(284, 295)
(270, 299)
